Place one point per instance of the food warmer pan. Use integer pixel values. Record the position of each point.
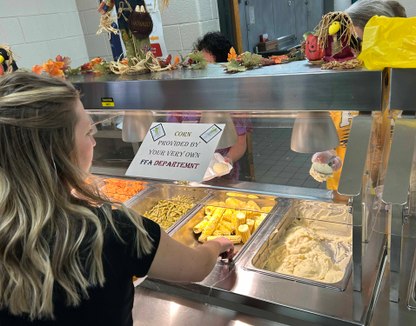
(168, 204)
(224, 214)
(311, 244)
(119, 189)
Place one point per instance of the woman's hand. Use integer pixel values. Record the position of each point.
(226, 248)
(177, 262)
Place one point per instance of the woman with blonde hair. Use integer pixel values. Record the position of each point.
(66, 256)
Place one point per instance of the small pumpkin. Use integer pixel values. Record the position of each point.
(140, 22)
(313, 52)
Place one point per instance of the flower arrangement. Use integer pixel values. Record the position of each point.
(54, 68)
(60, 67)
(195, 60)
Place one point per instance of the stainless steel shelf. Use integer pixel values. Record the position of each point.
(403, 96)
(293, 86)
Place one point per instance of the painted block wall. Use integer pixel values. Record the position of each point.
(41, 29)
(97, 45)
(184, 21)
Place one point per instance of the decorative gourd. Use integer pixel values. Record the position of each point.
(313, 52)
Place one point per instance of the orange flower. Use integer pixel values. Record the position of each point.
(232, 55)
(54, 68)
(96, 60)
(37, 69)
(65, 60)
(177, 60)
(279, 58)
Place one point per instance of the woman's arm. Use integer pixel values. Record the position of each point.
(237, 150)
(176, 262)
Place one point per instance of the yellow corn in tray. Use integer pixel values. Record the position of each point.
(235, 219)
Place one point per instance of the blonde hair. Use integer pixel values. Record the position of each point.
(362, 10)
(48, 236)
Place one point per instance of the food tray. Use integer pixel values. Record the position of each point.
(185, 232)
(119, 189)
(176, 195)
(313, 246)
(411, 300)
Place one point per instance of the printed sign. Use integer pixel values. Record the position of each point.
(176, 151)
(157, 40)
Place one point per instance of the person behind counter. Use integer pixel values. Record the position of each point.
(362, 10)
(215, 47)
(66, 256)
(360, 13)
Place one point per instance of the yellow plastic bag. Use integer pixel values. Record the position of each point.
(389, 42)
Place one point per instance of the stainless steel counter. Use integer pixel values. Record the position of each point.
(386, 312)
(233, 294)
(236, 287)
(293, 86)
(403, 96)
(158, 308)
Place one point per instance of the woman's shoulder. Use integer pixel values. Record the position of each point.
(124, 224)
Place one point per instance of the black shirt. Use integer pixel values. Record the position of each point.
(111, 304)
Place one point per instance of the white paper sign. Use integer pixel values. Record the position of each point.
(157, 40)
(176, 151)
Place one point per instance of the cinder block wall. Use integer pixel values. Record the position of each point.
(41, 29)
(97, 45)
(184, 21)
(38, 30)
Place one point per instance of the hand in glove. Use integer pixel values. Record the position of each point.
(328, 157)
(324, 164)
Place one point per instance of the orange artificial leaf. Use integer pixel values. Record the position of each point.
(37, 69)
(54, 68)
(65, 60)
(232, 54)
(279, 58)
(177, 60)
(96, 60)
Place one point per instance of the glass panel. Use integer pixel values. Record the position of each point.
(268, 157)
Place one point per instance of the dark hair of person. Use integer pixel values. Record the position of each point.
(215, 43)
(362, 10)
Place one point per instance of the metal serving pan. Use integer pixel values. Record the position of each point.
(313, 242)
(174, 202)
(220, 199)
(119, 189)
